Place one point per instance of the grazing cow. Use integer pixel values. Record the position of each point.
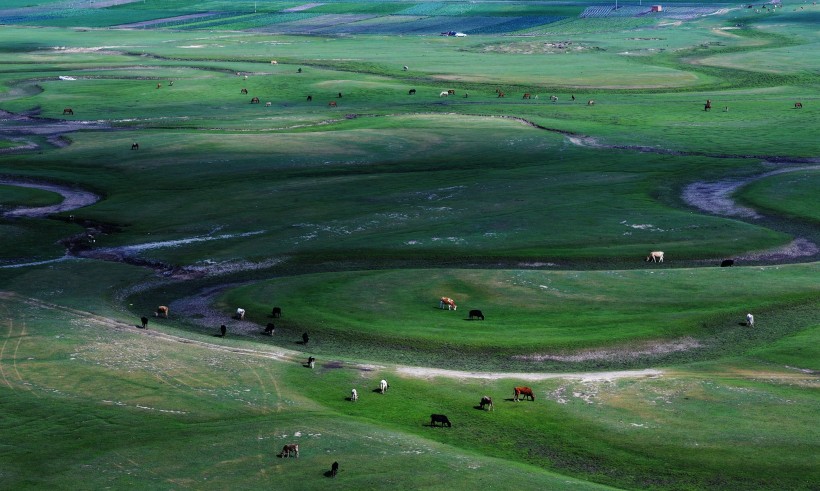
(244, 91)
(798, 105)
(170, 83)
(240, 313)
(572, 97)
(487, 401)
(274, 62)
(311, 362)
(655, 256)
(68, 110)
(440, 418)
(444, 93)
(451, 91)
(159, 86)
(411, 92)
(476, 314)
(162, 310)
(524, 392)
(276, 312)
(383, 386)
(144, 321)
(332, 104)
(305, 338)
(527, 95)
(554, 98)
(449, 302)
(405, 68)
(135, 146)
(354, 395)
(299, 70)
(290, 449)
(245, 78)
(501, 94)
(334, 469)
(267, 104)
(269, 329)
(223, 330)
(708, 105)
(254, 100)
(590, 102)
(309, 98)
(750, 320)
(727, 262)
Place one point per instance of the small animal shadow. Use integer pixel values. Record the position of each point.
(377, 390)
(349, 399)
(511, 399)
(481, 408)
(742, 324)
(218, 335)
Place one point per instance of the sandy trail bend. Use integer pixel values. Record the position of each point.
(73, 198)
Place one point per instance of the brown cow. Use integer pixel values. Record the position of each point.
(798, 105)
(255, 100)
(68, 110)
(527, 95)
(487, 401)
(162, 310)
(332, 104)
(523, 391)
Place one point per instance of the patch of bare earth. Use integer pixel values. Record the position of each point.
(645, 350)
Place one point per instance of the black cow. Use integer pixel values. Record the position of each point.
(269, 329)
(727, 262)
(144, 321)
(439, 418)
(411, 92)
(223, 329)
(476, 314)
(305, 338)
(276, 312)
(311, 362)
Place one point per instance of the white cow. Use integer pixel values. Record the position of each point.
(750, 320)
(354, 396)
(655, 256)
(240, 313)
(444, 93)
(383, 385)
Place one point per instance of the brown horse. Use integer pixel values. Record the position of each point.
(68, 110)
(523, 392)
(290, 449)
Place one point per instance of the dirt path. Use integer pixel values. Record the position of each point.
(73, 198)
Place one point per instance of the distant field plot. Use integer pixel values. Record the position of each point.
(592, 25)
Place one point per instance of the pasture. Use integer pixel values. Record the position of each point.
(356, 218)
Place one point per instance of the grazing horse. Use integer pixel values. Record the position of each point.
(162, 310)
(444, 93)
(750, 320)
(354, 395)
(276, 312)
(655, 256)
(487, 401)
(524, 392)
(798, 105)
(383, 386)
(290, 449)
(590, 102)
(708, 105)
(727, 262)
(527, 95)
(311, 362)
(255, 100)
(135, 146)
(309, 98)
(144, 321)
(334, 469)
(68, 110)
(476, 314)
(440, 418)
(449, 302)
(240, 313)
(244, 91)
(411, 92)
(331, 104)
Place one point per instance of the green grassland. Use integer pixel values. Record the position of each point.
(356, 219)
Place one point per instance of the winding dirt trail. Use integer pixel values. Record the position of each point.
(73, 198)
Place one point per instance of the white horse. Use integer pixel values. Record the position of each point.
(383, 385)
(655, 256)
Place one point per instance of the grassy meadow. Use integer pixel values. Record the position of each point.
(357, 217)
